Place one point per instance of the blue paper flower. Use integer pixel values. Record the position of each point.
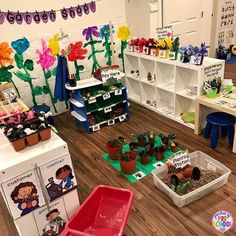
(105, 31)
(20, 45)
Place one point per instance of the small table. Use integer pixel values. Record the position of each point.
(212, 103)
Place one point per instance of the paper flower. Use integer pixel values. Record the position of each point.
(123, 33)
(20, 45)
(168, 43)
(91, 31)
(5, 54)
(54, 45)
(45, 59)
(105, 31)
(77, 52)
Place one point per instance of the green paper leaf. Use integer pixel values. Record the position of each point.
(45, 89)
(54, 100)
(22, 76)
(90, 56)
(120, 56)
(38, 90)
(54, 71)
(80, 68)
(29, 65)
(99, 51)
(5, 76)
(19, 60)
(47, 74)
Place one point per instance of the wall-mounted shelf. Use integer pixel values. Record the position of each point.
(171, 92)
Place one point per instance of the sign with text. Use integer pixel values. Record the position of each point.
(92, 100)
(181, 159)
(111, 76)
(164, 32)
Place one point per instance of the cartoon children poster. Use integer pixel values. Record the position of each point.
(23, 194)
(58, 176)
(51, 220)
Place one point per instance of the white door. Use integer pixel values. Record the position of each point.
(190, 19)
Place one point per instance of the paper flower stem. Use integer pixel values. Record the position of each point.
(77, 75)
(95, 62)
(123, 47)
(107, 45)
(49, 90)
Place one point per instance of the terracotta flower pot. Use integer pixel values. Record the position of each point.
(32, 139)
(192, 172)
(129, 167)
(113, 151)
(45, 134)
(188, 173)
(145, 159)
(159, 156)
(178, 177)
(19, 144)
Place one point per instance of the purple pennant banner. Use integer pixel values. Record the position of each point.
(45, 16)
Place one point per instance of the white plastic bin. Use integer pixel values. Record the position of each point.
(202, 161)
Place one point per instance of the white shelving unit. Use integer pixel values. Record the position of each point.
(170, 91)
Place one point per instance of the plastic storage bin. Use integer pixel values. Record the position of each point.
(104, 212)
(202, 161)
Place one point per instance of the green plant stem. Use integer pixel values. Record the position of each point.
(108, 49)
(31, 87)
(49, 89)
(15, 87)
(123, 46)
(77, 75)
(95, 62)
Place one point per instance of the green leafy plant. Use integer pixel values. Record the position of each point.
(175, 46)
(125, 157)
(116, 142)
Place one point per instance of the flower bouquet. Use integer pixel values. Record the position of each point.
(223, 52)
(132, 44)
(173, 55)
(164, 46)
(186, 53)
(199, 53)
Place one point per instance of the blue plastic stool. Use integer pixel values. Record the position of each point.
(218, 120)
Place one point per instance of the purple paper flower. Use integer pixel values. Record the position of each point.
(91, 31)
(46, 60)
(202, 50)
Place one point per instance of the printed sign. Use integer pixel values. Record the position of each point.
(51, 220)
(122, 118)
(118, 92)
(96, 128)
(139, 175)
(106, 96)
(165, 32)
(107, 109)
(180, 160)
(23, 194)
(158, 164)
(111, 122)
(92, 100)
(111, 76)
(58, 176)
(222, 221)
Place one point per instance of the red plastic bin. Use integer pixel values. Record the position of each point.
(104, 212)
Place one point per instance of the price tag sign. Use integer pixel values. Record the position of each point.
(92, 100)
(9, 93)
(122, 118)
(111, 122)
(106, 96)
(107, 109)
(96, 128)
(118, 92)
(180, 160)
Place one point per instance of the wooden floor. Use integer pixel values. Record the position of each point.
(152, 212)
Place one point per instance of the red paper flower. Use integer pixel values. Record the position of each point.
(77, 52)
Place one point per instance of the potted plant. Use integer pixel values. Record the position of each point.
(141, 138)
(146, 48)
(114, 147)
(159, 152)
(136, 45)
(152, 47)
(164, 46)
(223, 53)
(149, 76)
(186, 53)
(16, 136)
(128, 162)
(199, 53)
(32, 136)
(142, 42)
(145, 154)
(133, 146)
(44, 127)
(173, 55)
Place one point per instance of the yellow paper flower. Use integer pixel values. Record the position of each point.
(5, 54)
(165, 43)
(54, 45)
(168, 42)
(123, 33)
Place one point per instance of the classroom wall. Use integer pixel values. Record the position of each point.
(113, 10)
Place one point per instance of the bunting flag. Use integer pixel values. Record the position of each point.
(45, 16)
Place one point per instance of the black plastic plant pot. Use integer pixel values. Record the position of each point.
(72, 82)
(196, 173)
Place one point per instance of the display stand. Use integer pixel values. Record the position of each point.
(106, 104)
(36, 165)
(172, 84)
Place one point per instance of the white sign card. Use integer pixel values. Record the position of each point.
(107, 109)
(111, 76)
(122, 118)
(158, 164)
(92, 100)
(181, 159)
(23, 194)
(9, 93)
(164, 32)
(118, 92)
(58, 176)
(51, 220)
(139, 175)
(111, 122)
(95, 128)
(106, 96)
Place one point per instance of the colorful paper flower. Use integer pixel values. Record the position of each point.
(77, 52)
(20, 45)
(46, 60)
(54, 45)
(123, 33)
(5, 54)
(105, 31)
(91, 31)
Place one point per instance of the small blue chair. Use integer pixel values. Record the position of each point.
(217, 120)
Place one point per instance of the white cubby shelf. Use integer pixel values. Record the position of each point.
(170, 91)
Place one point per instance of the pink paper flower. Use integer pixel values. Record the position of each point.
(46, 60)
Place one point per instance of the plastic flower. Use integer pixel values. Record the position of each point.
(91, 31)
(168, 42)
(105, 31)
(45, 59)
(77, 52)
(203, 49)
(123, 33)
(54, 45)
(20, 45)
(5, 54)
(161, 44)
